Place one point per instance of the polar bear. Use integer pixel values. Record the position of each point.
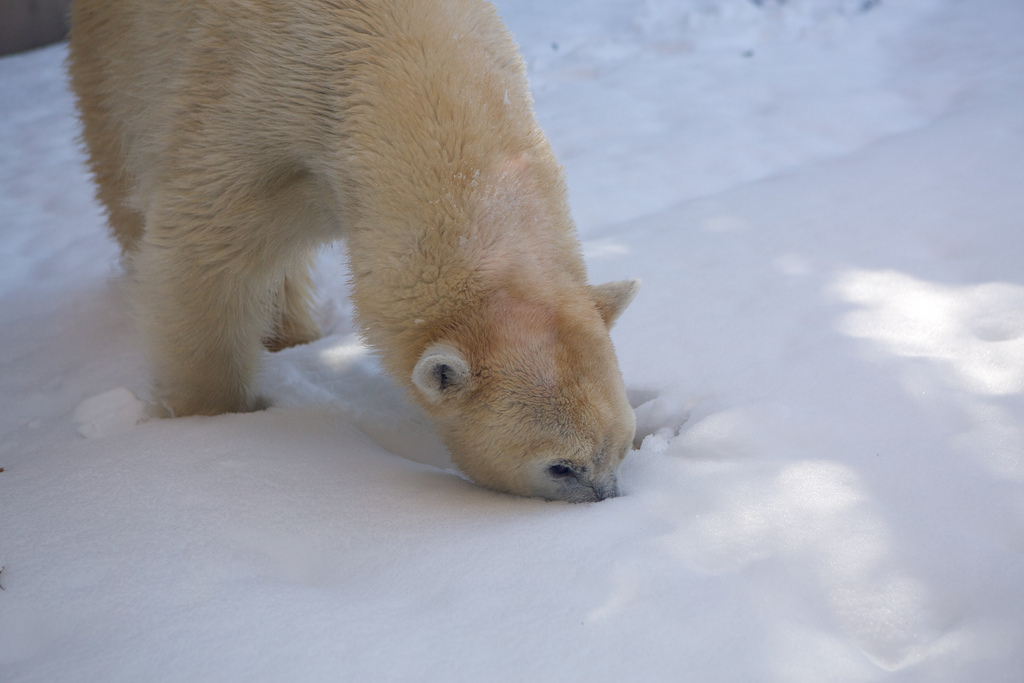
(230, 138)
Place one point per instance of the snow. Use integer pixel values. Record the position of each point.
(823, 200)
(111, 412)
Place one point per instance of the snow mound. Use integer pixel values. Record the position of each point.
(109, 413)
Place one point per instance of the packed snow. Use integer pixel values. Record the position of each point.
(823, 199)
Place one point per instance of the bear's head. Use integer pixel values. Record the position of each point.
(528, 396)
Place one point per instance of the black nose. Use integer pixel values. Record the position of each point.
(608, 491)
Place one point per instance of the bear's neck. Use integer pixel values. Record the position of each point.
(428, 256)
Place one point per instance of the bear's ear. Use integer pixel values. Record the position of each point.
(612, 298)
(441, 372)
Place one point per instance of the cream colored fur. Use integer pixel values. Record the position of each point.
(230, 138)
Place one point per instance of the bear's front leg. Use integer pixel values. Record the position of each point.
(205, 298)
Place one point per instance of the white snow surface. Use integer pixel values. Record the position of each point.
(823, 199)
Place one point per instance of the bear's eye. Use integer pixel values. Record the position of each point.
(561, 471)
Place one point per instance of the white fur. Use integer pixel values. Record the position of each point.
(230, 138)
